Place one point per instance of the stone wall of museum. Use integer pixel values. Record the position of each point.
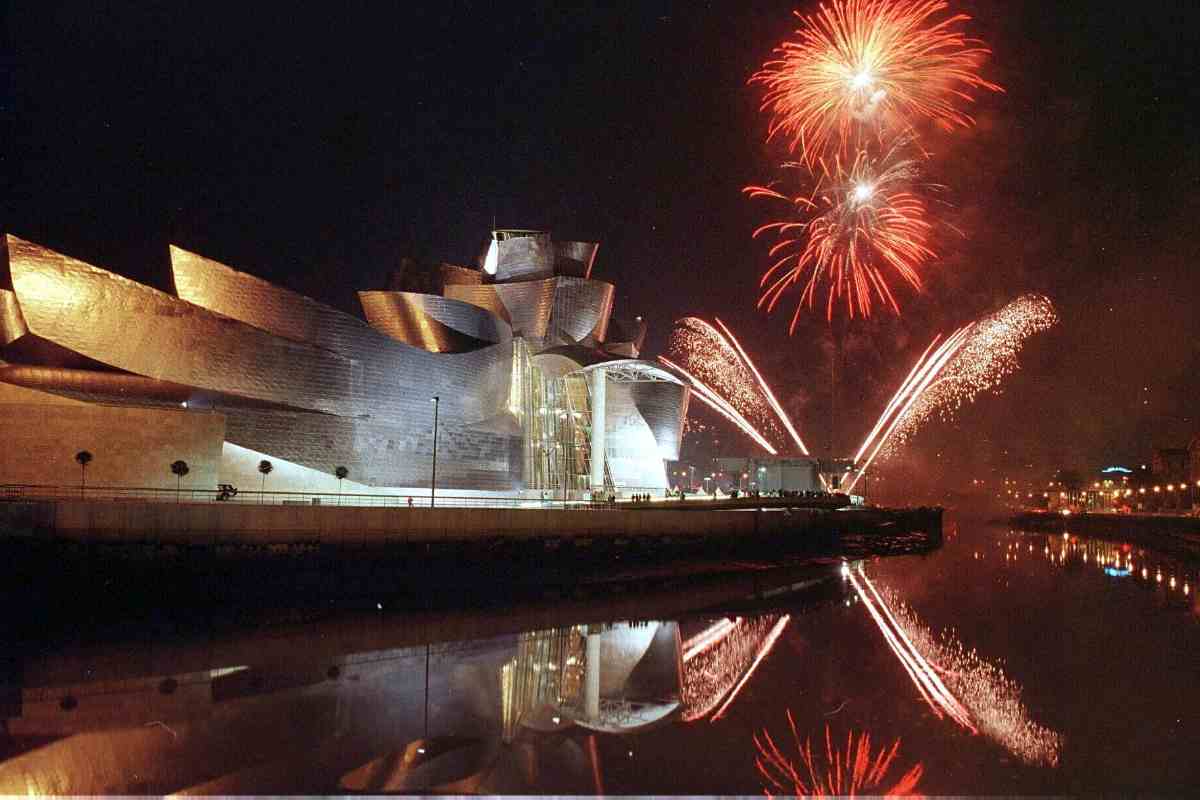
(40, 433)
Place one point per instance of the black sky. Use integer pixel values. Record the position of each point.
(315, 145)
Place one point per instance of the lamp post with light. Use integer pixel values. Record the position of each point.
(433, 478)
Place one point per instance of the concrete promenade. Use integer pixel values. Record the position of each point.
(210, 523)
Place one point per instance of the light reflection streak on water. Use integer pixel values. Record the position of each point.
(919, 670)
(763, 649)
(989, 701)
(719, 658)
(1115, 559)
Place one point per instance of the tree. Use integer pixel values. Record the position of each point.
(340, 473)
(265, 468)
(83, 458)
(179, 469)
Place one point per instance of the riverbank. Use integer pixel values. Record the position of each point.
(1177, 535)
(258, 525)
(111, 559)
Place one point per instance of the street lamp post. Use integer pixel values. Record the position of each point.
(433, 478)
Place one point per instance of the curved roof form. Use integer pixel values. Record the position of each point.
(124, 324)
(582, 309)
(526, 305)
(432, 322)
(624, 370)
(210, 284)
(523, 255)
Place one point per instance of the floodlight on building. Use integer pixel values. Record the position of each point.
(492, 260)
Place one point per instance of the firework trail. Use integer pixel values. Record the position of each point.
(766, 390)
(720, 405)
(974, 359)
(726, 380)
(845, 773)
(971, 690)
(862, 225)
(720, 660)
(870, 66)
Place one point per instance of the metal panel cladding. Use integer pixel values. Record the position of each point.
(581, 311)
(12, 323)
(575, 258)
(138, 329)
(526, 305)
(215, 286)
(524, 255)
(663, 405)
(632, 452)
(434, 323)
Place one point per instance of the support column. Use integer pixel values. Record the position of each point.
(591, 678)
(599, 391)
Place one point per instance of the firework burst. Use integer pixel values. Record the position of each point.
(848, 773)
(870, 65)
(862, 225)
(972, 360)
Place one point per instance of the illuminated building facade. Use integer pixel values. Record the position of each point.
(532, 375)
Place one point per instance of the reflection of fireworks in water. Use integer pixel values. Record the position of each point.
(979, 688)
(727, 381)
(973, 359)
(847, 773)
(720, 660)
(861, 219)
(878, 62)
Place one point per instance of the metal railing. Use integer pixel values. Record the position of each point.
(581, 500)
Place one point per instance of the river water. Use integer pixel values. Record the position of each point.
(1002, 663)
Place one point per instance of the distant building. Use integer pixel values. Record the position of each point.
(1171, 464)
(1194, 459)
(768, 474)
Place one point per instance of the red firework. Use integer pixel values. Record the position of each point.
(883, 62)
(847, 773)
(862, 225)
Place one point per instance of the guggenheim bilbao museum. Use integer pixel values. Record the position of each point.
(540, 390)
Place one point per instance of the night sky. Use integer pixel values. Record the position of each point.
(316, 146)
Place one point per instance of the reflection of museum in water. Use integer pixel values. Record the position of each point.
(460, 716)
(533, 375)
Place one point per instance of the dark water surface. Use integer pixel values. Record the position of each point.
(1002, 663)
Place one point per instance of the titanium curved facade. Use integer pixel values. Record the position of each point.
(524, 255)
(141, 330)
(508, 355)
(434, 323)
(582, 309)
(575, 258)
(663, 405)
(12, 324)
(526, 305)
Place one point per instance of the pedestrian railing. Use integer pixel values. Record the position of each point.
(232, 495)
